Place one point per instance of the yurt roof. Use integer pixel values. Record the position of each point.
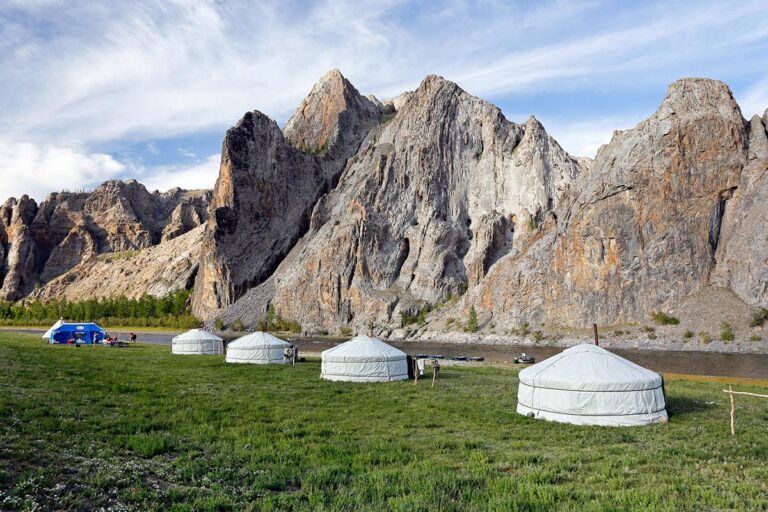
(589, 368)
(258, 340)
(363, 348)
(197, 335)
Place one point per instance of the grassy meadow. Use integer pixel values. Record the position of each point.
(137, 428)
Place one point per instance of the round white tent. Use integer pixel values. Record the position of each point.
(364, 359)
(197, 341)
(587, 385)
(257, 348)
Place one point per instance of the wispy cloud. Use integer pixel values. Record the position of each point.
(80, 75)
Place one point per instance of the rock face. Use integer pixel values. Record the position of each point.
(42, 243)
(668, 208)
(156, 270)
(436, 193)
(269, 182)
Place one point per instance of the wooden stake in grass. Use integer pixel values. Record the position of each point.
(731, 392)
(733, 425)
(594, 331)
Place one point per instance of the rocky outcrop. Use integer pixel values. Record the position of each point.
(742, 250)
(443, 194)
(156, 270)
(647, 226)
(436, 193)
(269, 182)
(67, 229)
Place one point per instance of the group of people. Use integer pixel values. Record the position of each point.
(112, 340)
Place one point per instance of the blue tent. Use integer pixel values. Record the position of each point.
(80, 333)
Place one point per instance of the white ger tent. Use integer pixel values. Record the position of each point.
(258, 348)
(47, 334)
(587, 385)
(364, 359)
(197, 341)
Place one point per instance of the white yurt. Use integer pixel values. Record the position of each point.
(197, 342)
(364, 359)
(587, 385)
(47, 334)
(258, 348)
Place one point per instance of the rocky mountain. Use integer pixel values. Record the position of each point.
(360, 212)
(40, 243)
(428, 198)
(371, 214)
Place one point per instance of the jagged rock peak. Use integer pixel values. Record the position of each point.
(330, 117)
(691, 94)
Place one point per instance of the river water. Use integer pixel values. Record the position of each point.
(692, 363)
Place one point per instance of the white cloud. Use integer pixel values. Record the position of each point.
(200, 175)
(36, 171)
(76, 74)
(754, 100)
(584, 138)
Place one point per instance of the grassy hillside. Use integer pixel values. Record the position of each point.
(139, 428)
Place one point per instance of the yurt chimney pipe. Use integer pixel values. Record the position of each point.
(594, 331)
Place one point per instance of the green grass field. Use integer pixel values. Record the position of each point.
(138, 428)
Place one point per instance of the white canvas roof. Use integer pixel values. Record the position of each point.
(588, 385)
(257, 348)
(47, 334)
(197, 341)
(364, 359)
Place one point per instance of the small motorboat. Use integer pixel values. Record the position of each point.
(524, 359)
(460, 358)
(477, 358)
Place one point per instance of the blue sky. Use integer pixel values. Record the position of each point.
(146, 89)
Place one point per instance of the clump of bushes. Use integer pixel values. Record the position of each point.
(661, 318)
(170, 310)
(648, 328)
(345, 331)
(274, 322)
(755, 337)
(726, 333)
(538, 336)
(705, 337)
(759, 318)
(420, 318)
(238, 326)
(219, 324)
(688, 334)
(472, 320)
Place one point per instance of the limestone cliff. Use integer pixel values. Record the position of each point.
(435, 194)
(670, 207)
(40, 243)
(438, 193)
(268, 184)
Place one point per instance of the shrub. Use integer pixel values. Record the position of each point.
(759, 318)
(219, 324)
(705, 337)
(463, 288)
(420, 318)
(726, 333)
(755, 337)
(345, 331)
(238, 326)
(538, 336)
(472, 320)
(618, 332)
(688, 334)
(524, 329)
(647, 328)
(652, 336)
(662, 318)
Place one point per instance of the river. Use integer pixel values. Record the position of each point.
(692, 363)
